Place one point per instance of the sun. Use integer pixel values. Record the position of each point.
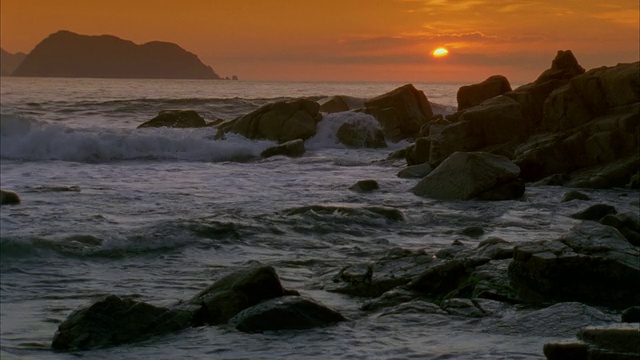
(440, 52)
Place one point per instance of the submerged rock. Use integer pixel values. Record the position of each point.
(365, 186)
(176, 119)
(293, 148)
(285, 313)
(595, 212)
(386, 212)
(464, 176)
(9, 198)
(574, 195)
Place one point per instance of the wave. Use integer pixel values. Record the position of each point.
(31, 140)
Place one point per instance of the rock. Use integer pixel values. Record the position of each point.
(627, 223)
(9, 198)
(472, 231)
(333, 104)
(566, 351)
(472, 95)
(615, 338)
(595, 212)
(464, 176)
(293, 148)
(443, 277)
(401, 112)
(281, 121)
(236, 292)
(285, 313)
(574, 195)
(361, 134)
(563, 67)
(418, 152)
(176, 119)
(66, 54)
(385, 212)
(495, 248)
(365, 186)
(593, 264)
(115, 320)
(631, 315)
(415, 171)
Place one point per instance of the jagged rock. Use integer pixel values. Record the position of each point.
(285, 313)
(415, 171)
(472, 95)
(591, 264)
(360, 134)
(563, 67)
(115, 320)
(175, 119)
(464, 176)
(574, 195)
(293, 148)
(333, 104)
(365, 186)
(595, 212)
(9, 198)
(281, 121)
(401, 112)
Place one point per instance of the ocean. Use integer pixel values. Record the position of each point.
(159, 214)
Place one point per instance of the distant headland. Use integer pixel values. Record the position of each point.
(67, 54)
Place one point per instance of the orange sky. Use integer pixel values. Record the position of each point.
(344, 40)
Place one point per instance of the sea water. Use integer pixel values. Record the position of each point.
(159, 214)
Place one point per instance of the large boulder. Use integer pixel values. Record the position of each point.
(285, 313)
(475, 94)
(591, 264)
(464, 176)
(293, 148)
(115, 320)
(333, 104)
(281, 121)
(175, 119)
(401, 112)
(361, 134)
(9, 198)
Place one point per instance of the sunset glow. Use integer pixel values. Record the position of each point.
(349, 40)
(440, 52)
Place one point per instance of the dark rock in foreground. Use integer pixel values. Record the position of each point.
(9, 198)
(66, 54)
(472, 95)
(464, 176)
(593, 264)
(285, 313)
(175, 119)
(293, 148)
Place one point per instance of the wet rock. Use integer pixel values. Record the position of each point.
(401, 112)
(495, 248)
(9, 198)
(390, 299)
(415, 171)
(595, 212)
(418, 152)
(285, 313)
(414, 307)
(386, 212)
(281, 121)
(293, 148)
(627, 223)
(462, 307)
(472, 95)
(473, 231)
(463, 176)
(604, 342)
(333, 104)
(365, 186)
(574, 195)
(114, 321)
(175, 119)
(444, 277)
(631, 315)
(592, 263)
(360, 134)
(569, 350)
(236, 292)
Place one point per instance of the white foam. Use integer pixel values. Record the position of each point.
(29, 140)
(327, 128)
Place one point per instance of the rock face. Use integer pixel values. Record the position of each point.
(401, 112)
(9, 198)
(281, 121)
(465, 176)
(472, 95)
(66, 54)
(175, 119)
(285, 313)
(591, 264)
(293, 148)
(10, 62)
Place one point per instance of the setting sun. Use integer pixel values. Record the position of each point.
(440, 52)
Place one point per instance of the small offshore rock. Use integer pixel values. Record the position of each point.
(293, 148)
(574, 195)
(176, 119)
(285, 313)
(415, 171)
(595, 212)
(9, 198)
(365, 186)
(473, 231)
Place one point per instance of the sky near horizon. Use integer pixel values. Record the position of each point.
(350, 40)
